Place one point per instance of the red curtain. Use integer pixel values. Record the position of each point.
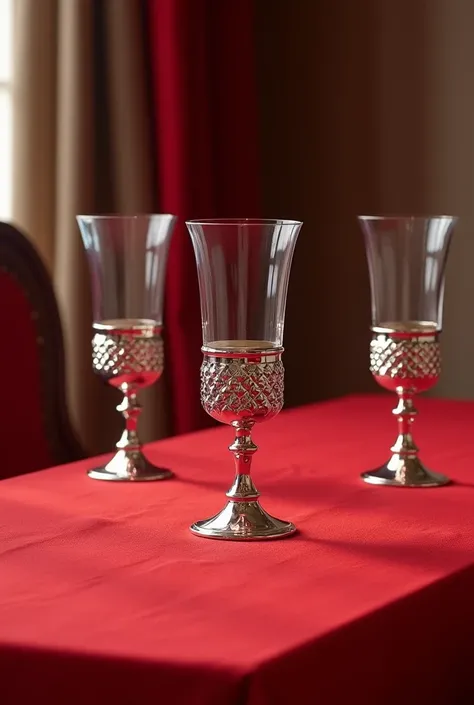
(206, 123)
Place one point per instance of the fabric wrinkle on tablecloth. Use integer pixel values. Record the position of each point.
(110, 577)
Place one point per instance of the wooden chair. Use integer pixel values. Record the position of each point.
(35, 429)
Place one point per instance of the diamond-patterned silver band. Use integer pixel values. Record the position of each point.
(124, 354)
(233, 389)
(405, 357)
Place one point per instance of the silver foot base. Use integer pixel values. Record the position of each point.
(129, 467)
(243, 521)
(408, 472)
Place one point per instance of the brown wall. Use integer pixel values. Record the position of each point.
(367, 106)
(451, 178)
(318, 127)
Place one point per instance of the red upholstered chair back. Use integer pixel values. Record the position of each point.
(35, 431)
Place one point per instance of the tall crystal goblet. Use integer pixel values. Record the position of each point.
(243, 270)
(407, 260)
(127, 258)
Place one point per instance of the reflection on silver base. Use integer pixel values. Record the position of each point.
(128, 354)
(243, 521)
(129, 467)
(404, 472)
(240, 389)
(405, 360)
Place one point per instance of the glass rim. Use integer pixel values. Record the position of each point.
(243, 221)
(117, 216)
(408, 217)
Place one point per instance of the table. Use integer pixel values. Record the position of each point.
(106, 597)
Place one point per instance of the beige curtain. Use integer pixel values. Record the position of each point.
(82, 144)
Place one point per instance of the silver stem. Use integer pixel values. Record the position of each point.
(243, 449)
(130, 408)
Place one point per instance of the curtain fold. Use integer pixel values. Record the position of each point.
(34, 121)
(74, 193)
(82, 144)
(132, 106)
(205, 113)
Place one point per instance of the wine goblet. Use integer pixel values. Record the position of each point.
(407, 260)
(127, 262)
(243, 270)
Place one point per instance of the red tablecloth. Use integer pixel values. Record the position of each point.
(106, 597)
